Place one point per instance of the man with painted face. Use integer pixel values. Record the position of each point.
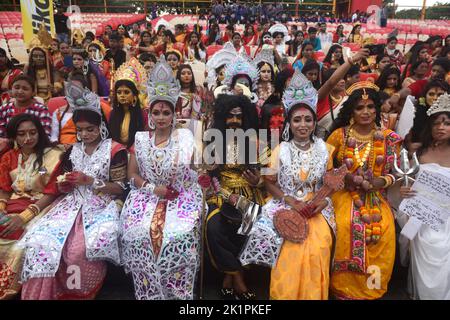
(239, 175)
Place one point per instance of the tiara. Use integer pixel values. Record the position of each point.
(300, 90)
(362, 85)
(265, 55)
(80, 98)
(162, 85)
(442, 104)
(100, 45)
(241, 65)
(222, 57)
(132, 71)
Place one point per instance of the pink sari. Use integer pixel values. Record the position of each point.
(66, 285)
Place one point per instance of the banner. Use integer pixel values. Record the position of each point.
(34, 13)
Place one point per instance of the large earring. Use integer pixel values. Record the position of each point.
(352, 121)
(174, 122)
(85, 67)
(134, 101)
(78, 137)
(151, 124)
(16, 146)
(285, 135)
(103, 131)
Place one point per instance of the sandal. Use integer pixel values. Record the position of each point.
(246, 296)
(227, 294)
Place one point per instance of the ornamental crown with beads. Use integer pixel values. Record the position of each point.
(442, 104)
(300, 90)
(80, 98)
(162, 85)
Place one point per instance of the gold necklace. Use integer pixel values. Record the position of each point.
(336, 100)
(360, 137)
(358, 159)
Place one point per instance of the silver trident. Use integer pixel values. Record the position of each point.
(98, 57)
(405, 171)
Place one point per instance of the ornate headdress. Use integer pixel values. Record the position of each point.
(300, 90)
(265, 55)
(134, 72)
(279, 27)
(41, 39)
(162, 85)
(442, 104)
(80, 98)
(241, 65)
(77, 37)
(222, 57)
(100, 45)
(362, 85)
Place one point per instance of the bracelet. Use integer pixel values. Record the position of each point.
(98, 184)
(3, 203)
(150, 187)
(35, 209)
(27, 215)
(387, 181)
(393, 179)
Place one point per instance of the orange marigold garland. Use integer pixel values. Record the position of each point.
(362, 178)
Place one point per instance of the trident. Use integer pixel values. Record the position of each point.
(405, 171)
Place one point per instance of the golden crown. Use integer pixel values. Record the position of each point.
(132, 71)
(42, 39)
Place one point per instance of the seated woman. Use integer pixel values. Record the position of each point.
(429, 249)
(27, 186)
(334, 58)
(97, 52)
(127, 116)
(39, 68)
(96, 81)
(418, 71)
(265, 62)
(299, 270)
(160, 220)
(63, 127)
(306, 53)
(23, 92)
(390, 80)
(194, 49)
(174, 59)
(189, 104)
(86, 219)
(7, 74)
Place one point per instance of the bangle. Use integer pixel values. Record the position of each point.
(3, 203)
(150, 187)
(350, 60)
(98, 184)
(35, 209)
(387, 181)
(27, 215)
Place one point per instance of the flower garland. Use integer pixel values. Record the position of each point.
(362, 177)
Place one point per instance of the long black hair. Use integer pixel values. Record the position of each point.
(118, 114)
(9, 63)
(192, 87)
(426, 137)
(43, 140)
(83, 54)
(272, 72)
(222, 107)
(330, 54)
(289, 117)
(311, 64)
(346, 112)
(388, 71)
(421, 107)
(196, 48)
(32, 68)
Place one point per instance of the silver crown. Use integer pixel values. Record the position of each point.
(300, 90)
(162, 85)
(80, 98)
(221, 58)
(442, 104)
(242, 65)
(265, 55)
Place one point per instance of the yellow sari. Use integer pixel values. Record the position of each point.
(302, 271)
(362, 271)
